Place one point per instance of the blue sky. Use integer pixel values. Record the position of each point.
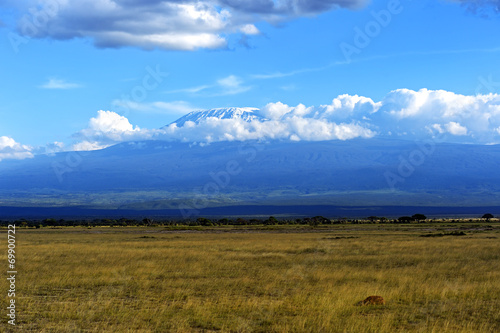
(82, 57)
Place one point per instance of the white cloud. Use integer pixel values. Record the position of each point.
(87, 145)
(320, 129)
(59, 84)
(230, 82)
(455, 128)
(106, 129)
(10, 149)
(405, 103)
(280, 122)
(435, 127)
(164, 24)
(276, 110)
(418, 111)
(293, 128)
(229, 85)
(110, 128)
(346, 107)
(232, 85)
(110, 122)
(403, 113)
(250, 29)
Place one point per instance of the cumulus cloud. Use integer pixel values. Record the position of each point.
(293, 128)
(109, 128)
(162, 24)
(415, 112)
(347, 107)
(402, 114)
(342, 108)
(455, 128)
(10, 149)
(106, 129)
(276, 110)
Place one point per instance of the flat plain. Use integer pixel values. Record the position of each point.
(257, 279)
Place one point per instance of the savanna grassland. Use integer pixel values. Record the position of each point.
(228, 279)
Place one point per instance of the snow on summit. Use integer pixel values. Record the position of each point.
(246, 114)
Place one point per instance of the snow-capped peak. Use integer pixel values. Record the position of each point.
(246, 114)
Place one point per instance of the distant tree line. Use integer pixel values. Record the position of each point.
(207, 222)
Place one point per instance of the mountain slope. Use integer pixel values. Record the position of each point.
(158, 175)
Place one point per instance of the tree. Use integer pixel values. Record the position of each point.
(404, 219)
(419, 217)
(241, 221)
(272, 220)
(321, 220)
(223, 221)
(204, 221)
(50, 222)
(488, 216)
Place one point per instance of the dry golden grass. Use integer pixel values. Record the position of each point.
(155, 280)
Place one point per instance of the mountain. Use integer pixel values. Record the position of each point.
(246, 114)
(187, 178)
